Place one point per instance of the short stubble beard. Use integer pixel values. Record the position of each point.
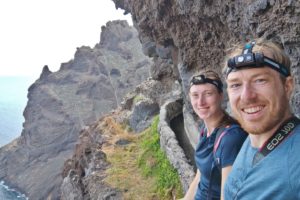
(274, 119)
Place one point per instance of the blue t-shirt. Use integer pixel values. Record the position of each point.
(226, 153)
(276, 176)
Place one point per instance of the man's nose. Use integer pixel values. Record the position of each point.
(248, 93)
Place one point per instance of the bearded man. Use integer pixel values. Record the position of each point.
(260, 86)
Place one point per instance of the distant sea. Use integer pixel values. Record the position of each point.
(13, 99)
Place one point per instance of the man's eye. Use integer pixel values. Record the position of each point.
(234, 85)
(260, 80)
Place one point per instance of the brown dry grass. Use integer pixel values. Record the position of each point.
(124, 172)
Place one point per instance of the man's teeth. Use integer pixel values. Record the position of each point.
(253, 109)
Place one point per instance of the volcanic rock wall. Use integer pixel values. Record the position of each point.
(191, 35)
(197, 33)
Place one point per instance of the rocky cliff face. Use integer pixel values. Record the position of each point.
(62, 103)
(197, 33)
(84, 174)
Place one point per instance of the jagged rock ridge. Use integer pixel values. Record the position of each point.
(62, 103)
(84, 173)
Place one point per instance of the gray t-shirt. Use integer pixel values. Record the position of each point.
(276, 177)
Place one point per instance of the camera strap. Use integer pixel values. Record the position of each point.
(276, 139)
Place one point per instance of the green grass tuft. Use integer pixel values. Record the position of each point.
(140, 169)
(154, 163)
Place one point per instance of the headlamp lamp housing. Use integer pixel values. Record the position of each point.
(252, 60)
(244, 60)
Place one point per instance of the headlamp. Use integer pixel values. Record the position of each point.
(201, 79)
(251, 60)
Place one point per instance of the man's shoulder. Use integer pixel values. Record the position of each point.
(296, 133)
(293, 146)
(297, 129)
(295, 137)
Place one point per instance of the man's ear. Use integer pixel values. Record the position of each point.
(289, 86)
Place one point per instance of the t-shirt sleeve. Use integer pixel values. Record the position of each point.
(293, 165)
(230, 146)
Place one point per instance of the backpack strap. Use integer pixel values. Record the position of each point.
(222, 131)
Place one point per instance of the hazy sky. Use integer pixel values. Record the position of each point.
(35, 33)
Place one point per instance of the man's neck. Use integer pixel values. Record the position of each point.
(258, 141)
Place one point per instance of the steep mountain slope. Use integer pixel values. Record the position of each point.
(62, 103)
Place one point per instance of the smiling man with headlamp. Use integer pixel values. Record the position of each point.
(259, 87)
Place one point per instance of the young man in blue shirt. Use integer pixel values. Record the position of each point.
(260, 86)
